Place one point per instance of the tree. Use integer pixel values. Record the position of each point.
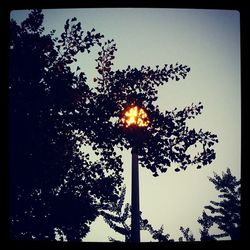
(116, 215)
(226, 212)
(53, 184)
(54, 112)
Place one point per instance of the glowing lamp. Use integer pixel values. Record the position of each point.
(135, 116)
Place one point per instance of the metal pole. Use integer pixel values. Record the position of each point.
(135, 216)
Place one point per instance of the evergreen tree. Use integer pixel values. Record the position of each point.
(224, 213)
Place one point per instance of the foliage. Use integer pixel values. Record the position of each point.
(53, 112)
(116, 215)
(188, 236)
(226, 212)
(53, 183)
(156, 234)
(167, 137)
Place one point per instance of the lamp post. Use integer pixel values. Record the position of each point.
(135, 119)
(135, 199)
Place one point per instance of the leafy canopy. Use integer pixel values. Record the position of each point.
(54, 185)
(54, 112)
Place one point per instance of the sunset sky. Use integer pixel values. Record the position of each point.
(208, 41)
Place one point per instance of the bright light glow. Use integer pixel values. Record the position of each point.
(135, 116)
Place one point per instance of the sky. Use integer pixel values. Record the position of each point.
(208, 41)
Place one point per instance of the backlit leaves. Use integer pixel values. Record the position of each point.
(55, 106)
(167, 138)
(50, 117)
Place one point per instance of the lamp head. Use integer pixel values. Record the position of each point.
(135, 116)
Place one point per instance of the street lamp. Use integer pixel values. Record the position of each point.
(134, 120)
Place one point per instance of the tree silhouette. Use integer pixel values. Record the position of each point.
(187, 234)
(225, 213)
(53, 183)
(117, 214)
(53, 112)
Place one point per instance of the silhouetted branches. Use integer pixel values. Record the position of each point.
(226, 212)
(187, 234)
(117, 216)
(54, 185)
(167, 137)
(54, 114)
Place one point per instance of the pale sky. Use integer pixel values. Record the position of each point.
(208, 41)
